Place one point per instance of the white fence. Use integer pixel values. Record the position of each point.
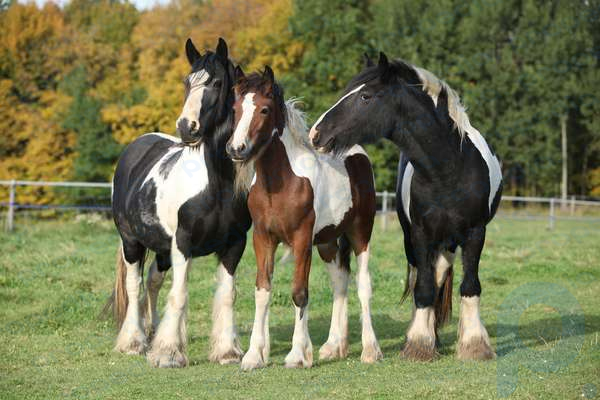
(557, 209)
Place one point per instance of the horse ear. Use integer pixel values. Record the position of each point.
(383, 60)
(268, 73)
(367, 60)
(222, 50)
(190, 51)
(239, 74)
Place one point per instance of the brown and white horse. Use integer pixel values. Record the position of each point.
(302, 198)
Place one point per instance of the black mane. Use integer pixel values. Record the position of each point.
(397, 71)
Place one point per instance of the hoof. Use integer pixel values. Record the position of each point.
(232, 356)
(371, 353)
(332, 351)
(134, 345)
(299, 359)
(477, 348)
(165, 358)
(252, 360)
(419, 349)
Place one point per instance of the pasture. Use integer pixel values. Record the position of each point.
(55, 277)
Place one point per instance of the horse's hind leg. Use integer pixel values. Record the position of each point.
(371, 351)
(154, 281)
(473, 339)
(225, 343)
(339, 272)
(131, 338)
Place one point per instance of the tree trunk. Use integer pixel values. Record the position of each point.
(564, 185)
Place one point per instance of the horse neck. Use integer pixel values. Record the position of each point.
(427, 141)
(215, 154)
(273, 167)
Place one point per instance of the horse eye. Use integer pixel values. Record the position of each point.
(264, 111)
(365, 96)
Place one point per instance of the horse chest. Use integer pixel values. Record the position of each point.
(187, 177)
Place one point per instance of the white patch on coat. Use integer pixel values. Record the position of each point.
(326, 173)
(441, 266)
(495, 173)
(187, 178)
(224, 338)
(406, 181)
(423, 325)
(241, 131)
(169, 344)
(172, 138)
(193, 103)
(301, 354)
(258, 352)
(470, 326)
(131, 338)
(337, 340)
(313, 130)
(371, 351)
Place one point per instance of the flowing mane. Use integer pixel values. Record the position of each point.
(296, 123)
(430, 84)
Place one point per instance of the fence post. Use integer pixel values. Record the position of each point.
(551, 221)
(572, 205)
(384, 210)
(10, 216)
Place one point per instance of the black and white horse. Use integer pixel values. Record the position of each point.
(449, 186)
(176, 198)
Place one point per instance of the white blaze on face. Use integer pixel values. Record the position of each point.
(313, 130)
(241, 131)
(193, 103)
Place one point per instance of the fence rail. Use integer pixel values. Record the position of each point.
(386, 200)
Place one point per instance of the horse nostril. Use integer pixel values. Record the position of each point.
(242, 147)
(193, 125)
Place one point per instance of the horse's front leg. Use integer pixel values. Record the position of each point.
(225, 343)
(473, 339)
(420, 337)
(258, 353)
(301, 354)
(168, 345)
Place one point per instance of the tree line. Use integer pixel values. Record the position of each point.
(78, 83)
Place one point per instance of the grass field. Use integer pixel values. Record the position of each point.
(55, 277)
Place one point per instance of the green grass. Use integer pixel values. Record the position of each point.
(55, 277)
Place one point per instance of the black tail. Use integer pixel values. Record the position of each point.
(344, 251)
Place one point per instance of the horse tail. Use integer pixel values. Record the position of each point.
(443, 303)
(408, 287)
(344, 252)
(118, 300)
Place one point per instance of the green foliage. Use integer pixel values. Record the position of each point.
(519, 66)
(333, 32)
(95, 147)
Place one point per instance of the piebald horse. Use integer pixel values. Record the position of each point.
(449, 187)
(302, 198)
(176, 198)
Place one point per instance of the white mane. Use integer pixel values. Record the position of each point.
(296, 123)
(433, 86)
